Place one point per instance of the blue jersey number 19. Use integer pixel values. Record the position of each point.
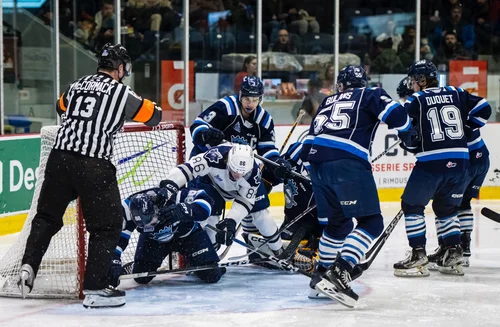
(450, 117)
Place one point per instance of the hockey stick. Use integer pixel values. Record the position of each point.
(192, 269)
(386, 151)
(277, 165)
(293, 221)
(375, 249)
(488, 213)
(226, 250)
(302, 112)
(283, 264)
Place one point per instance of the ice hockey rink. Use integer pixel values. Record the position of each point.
(253, 296)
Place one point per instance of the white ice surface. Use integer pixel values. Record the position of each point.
(252, 296)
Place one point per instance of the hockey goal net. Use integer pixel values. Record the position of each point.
(143, 157)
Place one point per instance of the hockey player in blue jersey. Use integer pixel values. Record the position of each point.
(337, 149)
(442, 115)
(404, 89)
(167, 222)
(240, 119)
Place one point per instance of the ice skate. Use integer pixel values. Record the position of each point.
(435, 257)
(336, 284)
(451, 262)
(26, 279)
(108, 297)
(315, 279)
(465, 237)
(415, 265)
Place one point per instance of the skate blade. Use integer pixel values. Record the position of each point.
(315, 295)
(422, 271)
(456, 270)
(97, 302)
(465, 262)
(328, 289)
(432, 266)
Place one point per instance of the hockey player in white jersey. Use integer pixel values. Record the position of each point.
(226, 172)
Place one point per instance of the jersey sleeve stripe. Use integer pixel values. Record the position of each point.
(229, 106)
(187, 171)
(61, 103)
(387, 110)
(309, 139)
(296, 152)
(480, 121)
(145, 112)
(269, 144)
(480, 105)
(199, 128)
(405, 127)
(205, 205)
(271, 153)
(267, 121)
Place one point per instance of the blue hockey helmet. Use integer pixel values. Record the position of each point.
(143, 211)
(422, 68)
(352, 76)
(404, 88)
(112, 56)
(251, 86)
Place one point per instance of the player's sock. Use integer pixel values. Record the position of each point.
(355, 246)
(328, 249)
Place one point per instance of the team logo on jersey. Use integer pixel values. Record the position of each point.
(238, 140)
(213, 155)
(451, 164)
(165, 234)
(237, 127)
(290, 191)
(258, 177)
(217, 177)
(479, 155)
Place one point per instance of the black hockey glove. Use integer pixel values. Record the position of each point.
(284, 170)
(169, 186)
(227, 232)
(410, 138)
(212, 136)
(115, 271)
(174, 213)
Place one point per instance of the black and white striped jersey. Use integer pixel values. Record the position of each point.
(94, 109)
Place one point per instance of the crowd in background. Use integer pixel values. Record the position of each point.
(450, 29)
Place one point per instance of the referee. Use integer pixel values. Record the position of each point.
(93, 109)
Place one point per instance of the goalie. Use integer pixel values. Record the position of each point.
(167, 222)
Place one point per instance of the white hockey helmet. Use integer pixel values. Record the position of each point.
(240, 159)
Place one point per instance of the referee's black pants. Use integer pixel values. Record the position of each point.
(69, 175)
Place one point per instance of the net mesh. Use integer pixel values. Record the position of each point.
(143, 157)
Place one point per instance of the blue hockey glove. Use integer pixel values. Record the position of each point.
(176, 212)
(227, 232)
(212, 136)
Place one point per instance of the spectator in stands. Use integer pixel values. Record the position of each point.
(390, 32)
(387, 61)
(313, 99)
(242, 16)
(104, 25)
(249, 68)
(283, 44)
(301, 23)
(144, 15)
(463, 30)
(66, 23)
(452, 50)
(328, 80)
(273, 18)
(406, 50)
(83, 33)
(480, 12)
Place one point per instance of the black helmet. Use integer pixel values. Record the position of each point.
(114, 55)
(404, 88)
